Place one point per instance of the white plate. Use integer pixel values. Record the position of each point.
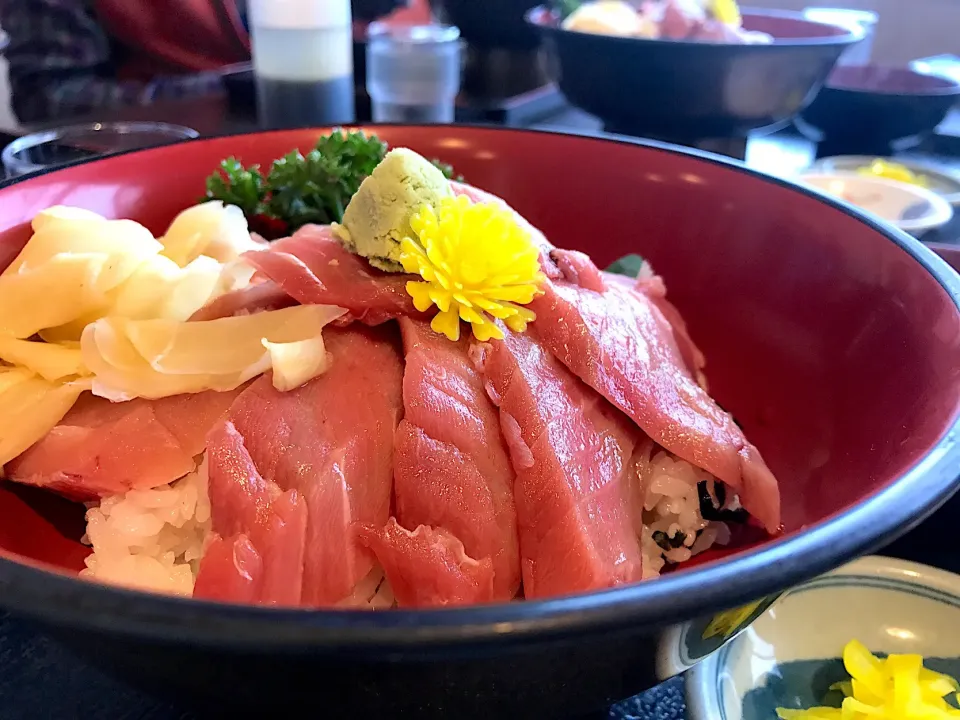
(940, 180)
(909, 207)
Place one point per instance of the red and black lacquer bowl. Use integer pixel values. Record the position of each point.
(833, 339)
(875, 109)
(686, 91)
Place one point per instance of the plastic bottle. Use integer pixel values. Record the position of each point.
(303, 62)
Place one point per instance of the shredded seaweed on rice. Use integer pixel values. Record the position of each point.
(685, 511)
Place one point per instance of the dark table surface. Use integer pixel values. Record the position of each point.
(42, 680)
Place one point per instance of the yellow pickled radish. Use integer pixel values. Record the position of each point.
(213, 229)
(161, 288)
(62, 212)
(727, 12)
(62, 289)
(157, 358)
(864, 668)
(10, 376)
(898, 687)
(32, 407)
(294, 363)
(51, 362)
(225, 345)
(125, 242)
(893, 171)
(83, 281)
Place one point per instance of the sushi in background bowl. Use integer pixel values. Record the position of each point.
(790, 656)
(815, 320)
(685, 90)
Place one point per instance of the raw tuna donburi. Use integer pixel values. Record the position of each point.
(426, 403)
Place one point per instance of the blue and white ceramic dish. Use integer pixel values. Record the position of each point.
(940, 180)
(790, 655)
(911, 208)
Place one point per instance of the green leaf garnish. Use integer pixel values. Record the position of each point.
(566, 8)
(629, 265)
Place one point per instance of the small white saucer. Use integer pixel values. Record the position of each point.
(944, 183)
(790, 655)
(909, 207)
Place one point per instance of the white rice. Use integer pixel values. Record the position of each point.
(667, 489)
(151, 539)
(371, 593)
(154, 539)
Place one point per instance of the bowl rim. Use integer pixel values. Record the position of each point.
(848, 37)
(58, 598)
(699, 690)
(941, 211)
(109, 128)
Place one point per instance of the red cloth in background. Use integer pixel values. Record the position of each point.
(174, 37)
(418, 13)
(177, 37)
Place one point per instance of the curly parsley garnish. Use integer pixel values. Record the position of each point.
(301, 189)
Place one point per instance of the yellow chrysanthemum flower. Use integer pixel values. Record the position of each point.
(477, 263)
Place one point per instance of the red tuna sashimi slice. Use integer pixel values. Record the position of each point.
(244, 504)
(578, 268)
(655, 289)
(102, 448)
(230, 571)
(263, 296)
(332, 441)
(451, 467)
(572, 452)
(429, 567)
(619, 343)
(314, 268)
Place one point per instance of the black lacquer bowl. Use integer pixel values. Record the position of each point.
(834, 340)
(490, 24)
(686, 91)
(877, 108)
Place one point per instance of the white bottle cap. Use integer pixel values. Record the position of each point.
(300, 14)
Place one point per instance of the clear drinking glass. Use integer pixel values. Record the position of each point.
(413, 72)
(59, 146)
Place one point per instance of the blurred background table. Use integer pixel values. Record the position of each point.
(781, 154)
